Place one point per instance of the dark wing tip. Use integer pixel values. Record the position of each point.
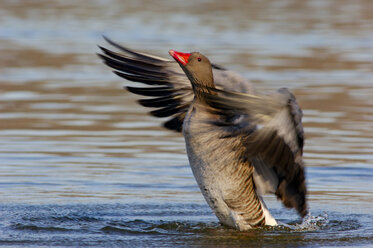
(112, 42)
(175, 124)
(218, 67)
(293, 193)
(151, 91)
(166, 111)
(101, 56)
(159, 101)
(106, 38)
(170, 99)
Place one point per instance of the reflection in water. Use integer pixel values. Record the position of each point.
(69, 134)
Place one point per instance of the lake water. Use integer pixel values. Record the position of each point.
(83, 165)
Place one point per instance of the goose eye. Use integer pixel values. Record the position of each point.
(199, 59)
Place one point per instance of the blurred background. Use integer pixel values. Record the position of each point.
(82, 164)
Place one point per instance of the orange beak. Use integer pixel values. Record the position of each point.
(182, 58)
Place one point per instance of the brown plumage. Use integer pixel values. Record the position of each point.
(240, 145)
(263, 131)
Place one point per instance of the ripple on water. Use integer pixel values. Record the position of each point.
(191, 224)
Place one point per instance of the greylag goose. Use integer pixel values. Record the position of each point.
(239, 145)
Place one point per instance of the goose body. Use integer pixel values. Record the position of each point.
(225, 181)
(240, 145)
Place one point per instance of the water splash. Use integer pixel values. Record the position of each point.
(309, 223)
(312, 223)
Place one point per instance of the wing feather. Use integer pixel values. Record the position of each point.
(271, 133)
(165, 83)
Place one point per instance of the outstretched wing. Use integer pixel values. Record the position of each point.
(271, 133)
(168, 89)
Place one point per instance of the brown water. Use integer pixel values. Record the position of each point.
(83, 165)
